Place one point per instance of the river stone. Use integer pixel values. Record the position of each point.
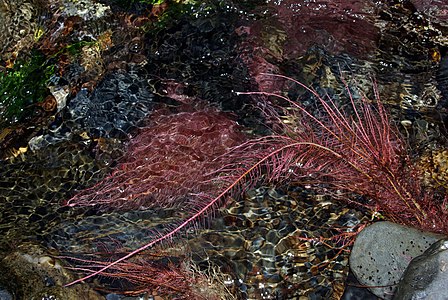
(5, 295)
(427, 275)
(29, 272)
(382, 252)
(119, 103)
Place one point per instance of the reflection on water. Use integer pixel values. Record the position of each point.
(119, 62)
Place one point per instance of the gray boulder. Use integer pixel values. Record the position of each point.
(382, 252)
(427, 275)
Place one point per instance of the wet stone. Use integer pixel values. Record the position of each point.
(30, 272)
(382, 252)
(5, 295)
(107, 231)
(17, 26)
(35, 185)
(86, 9)
(119, 104)
(426, 277)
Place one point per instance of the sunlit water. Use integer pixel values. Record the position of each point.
(114, 67)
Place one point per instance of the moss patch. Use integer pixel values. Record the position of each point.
(23, 86)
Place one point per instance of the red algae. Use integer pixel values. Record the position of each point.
(168, 159)
(342, 152)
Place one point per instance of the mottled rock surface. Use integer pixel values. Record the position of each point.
(427, 275)
(382, 252)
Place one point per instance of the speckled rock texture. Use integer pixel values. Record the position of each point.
(383, 251)
(427, 275)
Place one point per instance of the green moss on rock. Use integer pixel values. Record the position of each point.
(23, 86)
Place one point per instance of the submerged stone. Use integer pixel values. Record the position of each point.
(120, 102)
(30, 272)
(20, 25)
(5, 295)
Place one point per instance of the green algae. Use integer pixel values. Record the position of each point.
(179, 9)
(26, 83)
(22, 86)
(126, 4)
(153, 2)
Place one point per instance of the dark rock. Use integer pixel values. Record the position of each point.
(354, 291)
(113, 297)
(5, 295)
(427, 275)
(119, 104)
(382, 252)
